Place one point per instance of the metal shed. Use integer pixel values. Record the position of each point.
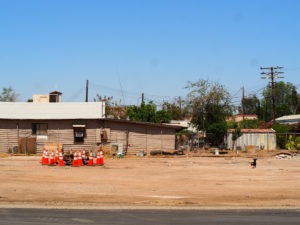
(261, 138)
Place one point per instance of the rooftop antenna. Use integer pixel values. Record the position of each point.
(120, 83)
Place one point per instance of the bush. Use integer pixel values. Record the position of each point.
(297, 140)
(281, 130)
(293, 143)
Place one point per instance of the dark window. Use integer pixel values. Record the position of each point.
(39, 129)
(54, 98)
(79, 134)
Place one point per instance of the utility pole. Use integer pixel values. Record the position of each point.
(143, 97)
(87, 91)
(243, 103)
(272, 74)
(180, 103)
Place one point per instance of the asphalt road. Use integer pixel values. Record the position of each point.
(147, 217)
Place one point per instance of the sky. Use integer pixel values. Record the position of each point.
(128, 47)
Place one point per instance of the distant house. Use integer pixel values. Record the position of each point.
(28, 127)
(289, 119)
(54, 96)
(260, 138)
(238, 118)
(185, 124)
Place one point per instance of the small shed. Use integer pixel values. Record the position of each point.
(260, 138)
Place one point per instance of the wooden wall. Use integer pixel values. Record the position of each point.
(137, 137)
(8, 135)
(133, 137)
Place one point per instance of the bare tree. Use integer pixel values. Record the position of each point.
(8, 95)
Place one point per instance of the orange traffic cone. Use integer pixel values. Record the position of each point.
(61, 159)
(80, 163)
(75, 160)
(56, 156)
(52, 159)
(84, 158)
(100, 160)
(91, 159)
(45, 158)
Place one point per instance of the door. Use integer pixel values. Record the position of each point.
(27, 145)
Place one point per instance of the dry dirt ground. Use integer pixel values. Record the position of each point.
(183, 181)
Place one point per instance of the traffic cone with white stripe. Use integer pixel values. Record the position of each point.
(91, 159)
(80, 159)
(61, 159)
(56, 156)
(52, 159)
(84, 158)
(100, 159)
(75, 160)
(45, 158)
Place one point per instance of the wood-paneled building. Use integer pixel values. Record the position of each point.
(28, 127)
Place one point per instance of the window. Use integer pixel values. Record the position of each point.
(39, 129)
(79, 133)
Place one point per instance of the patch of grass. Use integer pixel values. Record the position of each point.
(3, 155)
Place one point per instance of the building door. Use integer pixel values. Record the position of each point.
(27, 145)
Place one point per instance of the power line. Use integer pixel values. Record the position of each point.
(77, 95)
(255, 91)
(237, 92)
(124, 94)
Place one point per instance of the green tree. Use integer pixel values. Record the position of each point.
(163, 116)
(8, 95)
(281, 131)
(147, 113)
(286, 100)
(236, 133)
(216, 133)
(294, 101)
(112, 109)
(177, 109)
(209, 102)
(251, 105)
(249, 124)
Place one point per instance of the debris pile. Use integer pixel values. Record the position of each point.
(284, 156)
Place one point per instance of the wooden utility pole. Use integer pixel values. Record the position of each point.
(87, 91)
(143, 97)
(180, 103)
(243, 103)
(272, 75)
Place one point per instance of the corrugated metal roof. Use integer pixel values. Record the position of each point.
(52, 111)
(146, 123)
(254, 130)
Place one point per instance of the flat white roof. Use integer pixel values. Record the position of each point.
(52, 111)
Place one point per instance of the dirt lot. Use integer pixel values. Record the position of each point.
(153, 182)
